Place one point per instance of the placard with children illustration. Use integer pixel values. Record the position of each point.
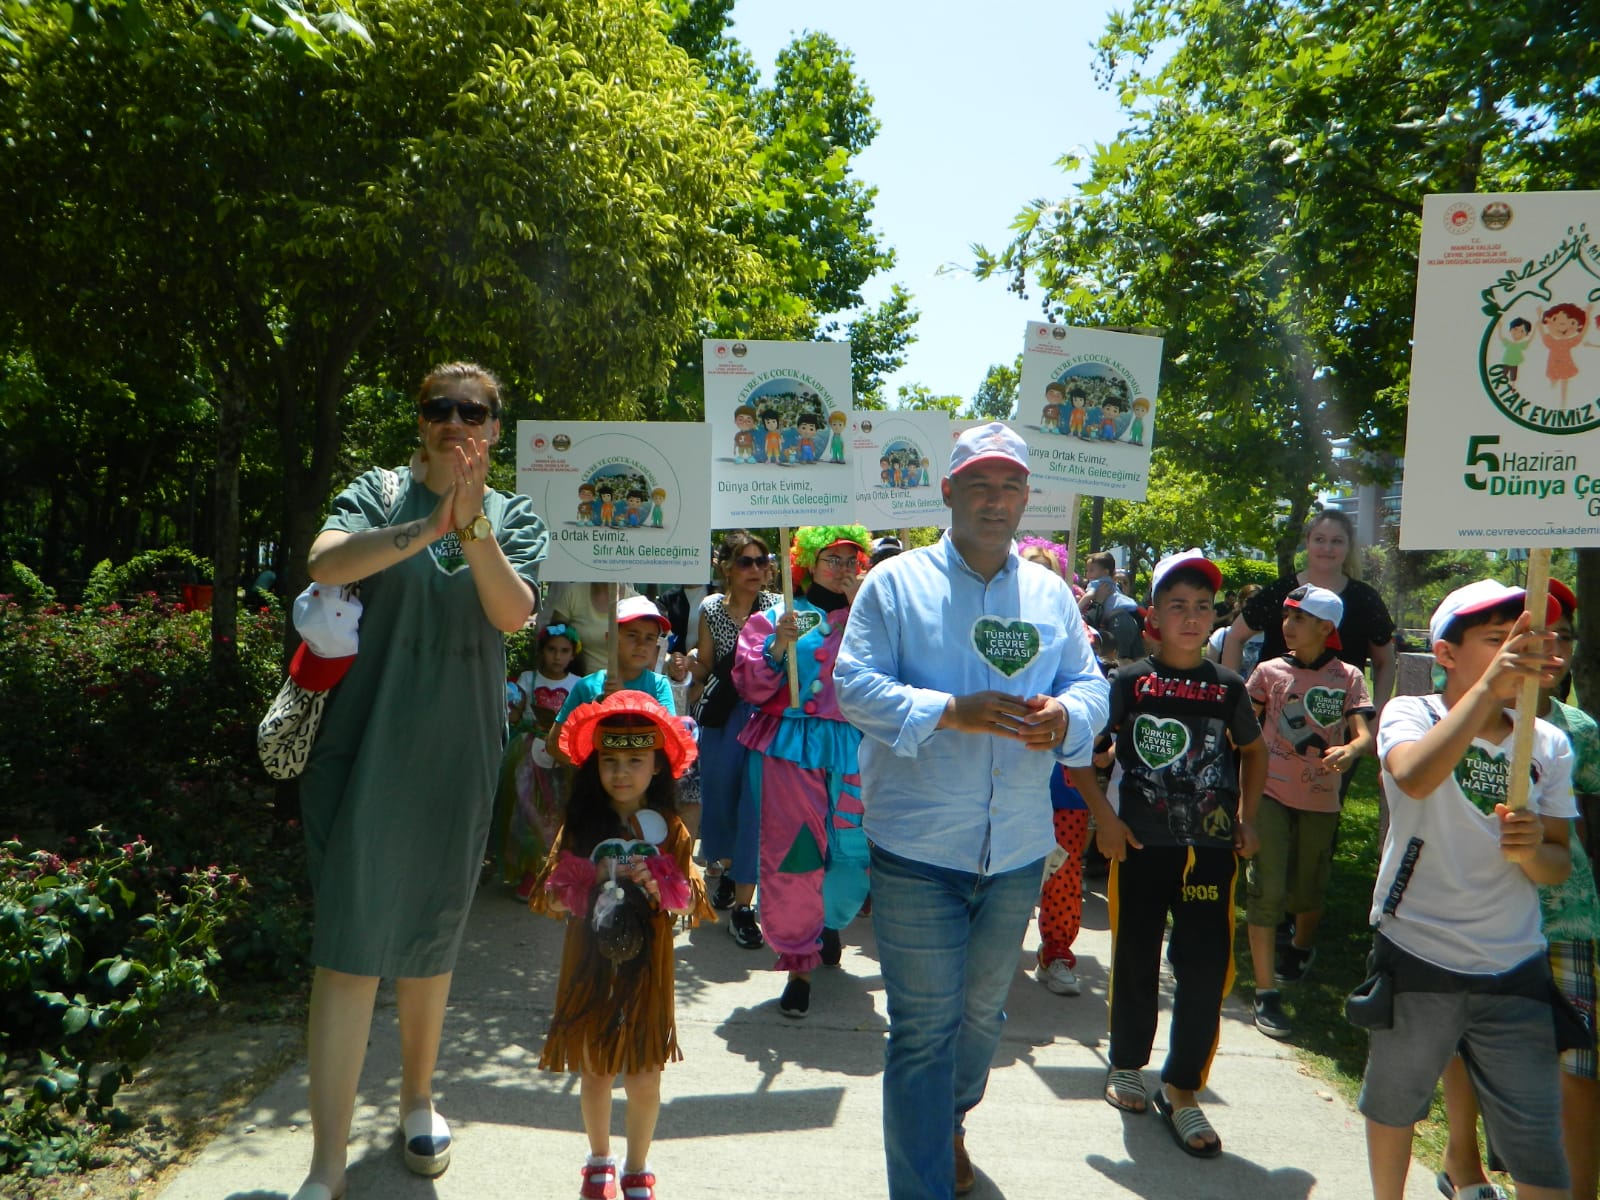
(900, 459)
(622, 499)
(1086, 407)
(1504, 419)
(780, 423)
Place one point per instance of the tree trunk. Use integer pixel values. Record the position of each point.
(1586, 663)
(1289, 540)
(232, 421)
(308, 481)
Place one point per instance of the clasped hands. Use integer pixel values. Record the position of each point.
(1038, 722)
(463, 473)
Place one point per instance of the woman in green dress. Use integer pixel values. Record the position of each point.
(398, 791)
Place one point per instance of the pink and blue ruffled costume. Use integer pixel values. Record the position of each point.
(813, 851)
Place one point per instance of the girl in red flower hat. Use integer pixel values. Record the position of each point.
(621, 874)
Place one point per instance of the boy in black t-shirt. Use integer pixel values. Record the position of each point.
(1190, 766)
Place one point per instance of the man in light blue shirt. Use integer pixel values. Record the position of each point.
(970, 674)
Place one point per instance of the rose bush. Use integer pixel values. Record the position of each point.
(112, 721)
(93, 948)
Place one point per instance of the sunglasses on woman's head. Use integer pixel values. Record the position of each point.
(437, 409)
(752, 560)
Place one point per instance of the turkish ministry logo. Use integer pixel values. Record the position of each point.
(1460, 218)
(1536, 361)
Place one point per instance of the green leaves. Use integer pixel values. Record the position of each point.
(90, 1025)
(286, 27)
(299, 204)
(1262, 207)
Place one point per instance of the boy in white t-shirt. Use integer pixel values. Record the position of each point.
(1456, 905)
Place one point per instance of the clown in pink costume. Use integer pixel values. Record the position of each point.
(813, 853)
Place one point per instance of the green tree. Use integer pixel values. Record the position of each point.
(809, 218)
(878, 339)
(1263, 205)
(550, 190)
(1178, 510)
(996, 397)
(919, 397)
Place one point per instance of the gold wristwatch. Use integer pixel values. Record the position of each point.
(475, 529)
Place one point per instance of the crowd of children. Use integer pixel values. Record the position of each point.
(1485, 916)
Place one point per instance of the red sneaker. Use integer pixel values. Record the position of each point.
(525, 886)
(599, 1179)
(639, 1185)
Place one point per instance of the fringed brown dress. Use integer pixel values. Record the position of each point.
(613, 1021)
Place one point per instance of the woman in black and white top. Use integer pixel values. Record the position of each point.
(729, 828)
(1367, 629)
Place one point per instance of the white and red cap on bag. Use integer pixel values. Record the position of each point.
(327, 621)
(1475, 598)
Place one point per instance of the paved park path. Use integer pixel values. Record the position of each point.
(763, 1106)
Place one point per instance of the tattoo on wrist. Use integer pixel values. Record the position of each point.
(403, 535)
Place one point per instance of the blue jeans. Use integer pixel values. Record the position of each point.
(948, 945)
(730, 814)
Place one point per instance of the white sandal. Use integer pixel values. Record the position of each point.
(1126, 1082)
(427, 1135)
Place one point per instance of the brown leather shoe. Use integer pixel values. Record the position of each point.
(966, 1177)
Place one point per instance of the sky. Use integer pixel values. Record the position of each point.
(976, 104)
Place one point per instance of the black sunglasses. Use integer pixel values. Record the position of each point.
(437, 409)
(749, 560)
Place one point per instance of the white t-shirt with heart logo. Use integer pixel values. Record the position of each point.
(1445, 893)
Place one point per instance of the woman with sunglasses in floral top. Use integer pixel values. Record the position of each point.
(398, 789)
(729, 823)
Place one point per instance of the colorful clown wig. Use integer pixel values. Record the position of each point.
(811, 540)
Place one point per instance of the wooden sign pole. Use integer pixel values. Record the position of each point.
(613, 663)
(1528, 702)
(788, 607)
(1071, 565)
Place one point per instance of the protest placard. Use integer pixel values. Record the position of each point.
(1504, 416)
(623, 500)
(900, 460)
(1504, 422)
(1086, 406)
(780, 430)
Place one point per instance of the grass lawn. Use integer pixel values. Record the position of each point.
(1330, 1045)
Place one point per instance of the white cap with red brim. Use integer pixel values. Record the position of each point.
(641, 608)
(1185, 558)
(1475, 598)
(994, 442)
(327, 621)
(1322, 604)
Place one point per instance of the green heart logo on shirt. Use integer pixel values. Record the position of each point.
(447, 554)
(1159, 740)
(807, 620)
(1325, 705)
(1485, 778)
(1007, 646)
